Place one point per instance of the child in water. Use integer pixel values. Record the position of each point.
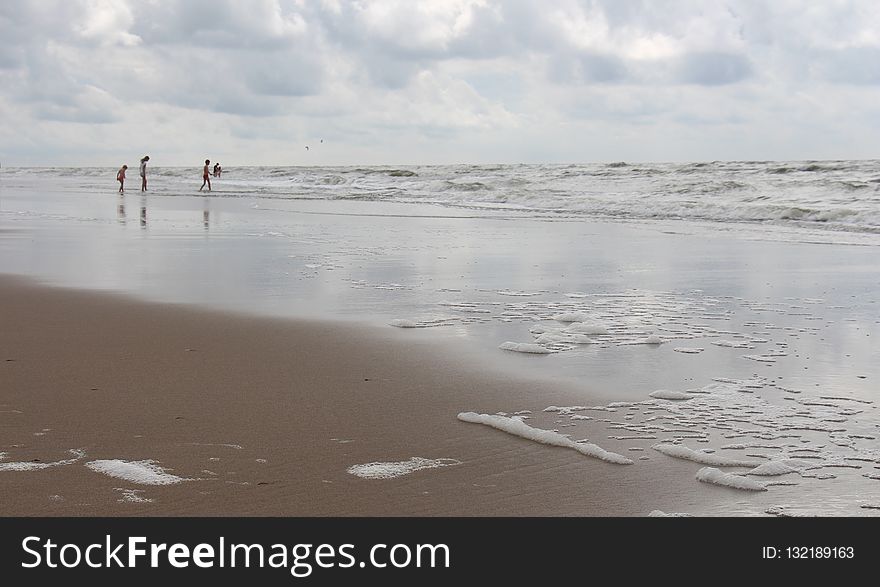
(206, 176)
(144, 172)
(120, 177)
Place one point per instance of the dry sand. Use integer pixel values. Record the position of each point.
(267, 415)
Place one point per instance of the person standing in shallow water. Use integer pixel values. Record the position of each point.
(144, 172)
(206, 175)
(120, 177)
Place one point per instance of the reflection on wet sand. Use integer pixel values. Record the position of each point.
(122, 219)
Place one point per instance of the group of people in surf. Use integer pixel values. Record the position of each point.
(206, 174)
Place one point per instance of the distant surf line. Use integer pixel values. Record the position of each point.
(437, 216)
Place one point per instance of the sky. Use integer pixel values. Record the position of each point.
(253, 82)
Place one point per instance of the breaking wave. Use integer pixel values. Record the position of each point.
(837, 195)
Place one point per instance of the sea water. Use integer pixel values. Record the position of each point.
(826, 195)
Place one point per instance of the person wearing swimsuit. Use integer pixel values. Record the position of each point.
(206, 175)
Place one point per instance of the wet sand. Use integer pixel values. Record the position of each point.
(267, 415)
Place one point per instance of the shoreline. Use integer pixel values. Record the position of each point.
(264, 416)
(182, 351)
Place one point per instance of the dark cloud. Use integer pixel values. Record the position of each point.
(217, 81)
(230, 24)
(706, 69)
(588, 68)
(712, 69)
(602, 68)
(283, 80)
(220, 56)
(80, 111)
(855, 65)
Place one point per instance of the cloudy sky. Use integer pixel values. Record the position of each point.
(100, 82)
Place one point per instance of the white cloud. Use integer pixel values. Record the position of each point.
(432, 80)
(108, 23)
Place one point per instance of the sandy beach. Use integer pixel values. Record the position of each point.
(264, 417)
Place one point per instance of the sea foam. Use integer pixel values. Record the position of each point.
(141, 472)
(671, 395)
(662, 514)
(780, 467)
(571, 317)
(524, 347)
(585, 327)
(733, 344)
(390, 470)
(683, 452)
(132, 496)
(650, 340)
(716, 477)
(37, 466)
(517, 427)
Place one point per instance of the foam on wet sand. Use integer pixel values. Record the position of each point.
(683, 452)
(145, 472)
(38, 466)
(718, 477)
(525, 347)
(662, 514)
(779, 467)
(390, 470)
(671, 395)
(517, 427)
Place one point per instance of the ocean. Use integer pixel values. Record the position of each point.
(807, 196)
